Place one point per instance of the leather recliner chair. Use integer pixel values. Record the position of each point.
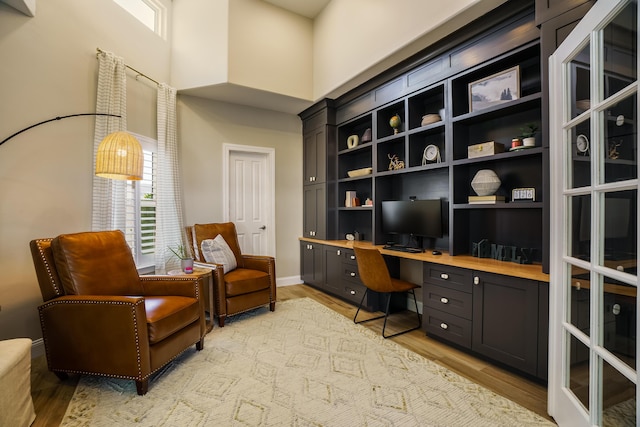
(99, 317)
(250, 285)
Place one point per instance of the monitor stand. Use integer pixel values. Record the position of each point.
(415, 242)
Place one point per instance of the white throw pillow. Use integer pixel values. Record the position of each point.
(217, 251)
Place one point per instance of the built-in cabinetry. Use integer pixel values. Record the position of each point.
(446, 172)
(502, 317)
(494, 315)
(334, 269)
(318, 169)
(478, 306)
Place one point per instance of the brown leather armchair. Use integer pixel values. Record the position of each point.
(99, 317)
(252, 284)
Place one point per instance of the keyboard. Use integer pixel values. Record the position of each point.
(403, 249)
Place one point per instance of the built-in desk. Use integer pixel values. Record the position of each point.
(495, 309)
(488, 265)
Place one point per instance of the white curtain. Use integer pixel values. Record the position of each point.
(108, 211)
(169, 225)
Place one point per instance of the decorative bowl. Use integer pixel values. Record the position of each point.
(359, 172)
(430, 118)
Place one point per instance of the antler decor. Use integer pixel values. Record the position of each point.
(395, 162)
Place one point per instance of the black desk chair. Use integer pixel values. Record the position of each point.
(375, 276)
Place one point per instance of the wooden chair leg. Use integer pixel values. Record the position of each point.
(142, 387)
(272, 306)
(221, 321)
(200, 344)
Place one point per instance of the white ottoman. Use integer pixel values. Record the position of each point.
(16, 405)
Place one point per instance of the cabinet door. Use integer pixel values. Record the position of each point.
(312, 263)
(315, 211)
(505, 320)
(333, 269)
(315, 155)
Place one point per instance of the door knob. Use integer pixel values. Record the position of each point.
(263, 227)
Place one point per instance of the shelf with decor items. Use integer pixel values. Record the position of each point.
(494, 104)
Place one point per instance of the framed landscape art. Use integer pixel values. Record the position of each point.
(496, 89)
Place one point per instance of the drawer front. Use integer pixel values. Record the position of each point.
(447, 326)
(449, 277)
(350, 272)
(448, 300)
(349, 256)
(353, 292)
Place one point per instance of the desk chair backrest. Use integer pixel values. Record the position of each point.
(373, 270)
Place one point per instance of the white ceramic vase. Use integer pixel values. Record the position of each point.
(485, 182)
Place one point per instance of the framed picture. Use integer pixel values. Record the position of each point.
(496, 89)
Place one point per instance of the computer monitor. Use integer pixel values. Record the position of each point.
(421, 218)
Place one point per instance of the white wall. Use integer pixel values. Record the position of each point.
(49, 69)
(270, 49)
(354, 40)
(200, 43)
(204, 127)
(248, 43)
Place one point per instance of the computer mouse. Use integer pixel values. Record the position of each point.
(436, 253)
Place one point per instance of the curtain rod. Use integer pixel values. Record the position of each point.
(133, 69)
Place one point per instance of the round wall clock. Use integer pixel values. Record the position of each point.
(431, 154)
(582, 144)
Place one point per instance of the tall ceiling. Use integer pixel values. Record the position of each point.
(308, 8)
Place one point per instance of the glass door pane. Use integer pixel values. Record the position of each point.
(596, 355)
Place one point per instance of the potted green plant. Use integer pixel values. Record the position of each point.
(186, 260)
(528, 134)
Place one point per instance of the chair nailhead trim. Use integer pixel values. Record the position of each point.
(46, 264)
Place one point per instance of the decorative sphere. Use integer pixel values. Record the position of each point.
(395, 121)
(485, 182)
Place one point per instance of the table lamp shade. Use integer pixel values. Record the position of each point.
(120, 156)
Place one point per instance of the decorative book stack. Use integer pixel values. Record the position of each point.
(486, 199)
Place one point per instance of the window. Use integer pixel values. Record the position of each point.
(150, 12)
(140, 222)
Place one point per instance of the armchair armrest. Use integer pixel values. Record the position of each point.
(111, 329)
(260, 263)
(158, 285)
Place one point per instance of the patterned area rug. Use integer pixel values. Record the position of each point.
(302, 365)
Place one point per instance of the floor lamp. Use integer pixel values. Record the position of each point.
(119, 154)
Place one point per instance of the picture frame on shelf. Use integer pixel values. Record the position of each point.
(495, 89)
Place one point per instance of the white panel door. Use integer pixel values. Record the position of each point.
(249, 197)
(593, 364)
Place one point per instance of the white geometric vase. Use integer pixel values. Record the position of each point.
(485, 182)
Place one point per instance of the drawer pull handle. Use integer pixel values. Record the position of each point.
(444, 276)
(444, 325)
(444, 300)
(338, 252)
(352, 274)
(352, 257)
(352, 292)
(476, 280)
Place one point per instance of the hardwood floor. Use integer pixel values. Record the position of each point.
(51, 396)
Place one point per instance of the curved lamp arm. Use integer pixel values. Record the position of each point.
(119, 155)
(57, 118)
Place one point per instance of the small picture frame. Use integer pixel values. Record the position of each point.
(494, 90)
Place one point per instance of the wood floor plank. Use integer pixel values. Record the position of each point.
(52, 396)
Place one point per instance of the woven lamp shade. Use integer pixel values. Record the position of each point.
(119, 157)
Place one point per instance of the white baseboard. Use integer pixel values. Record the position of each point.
(37, 348)
(288, 281)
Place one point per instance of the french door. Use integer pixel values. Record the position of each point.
(593, 369)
